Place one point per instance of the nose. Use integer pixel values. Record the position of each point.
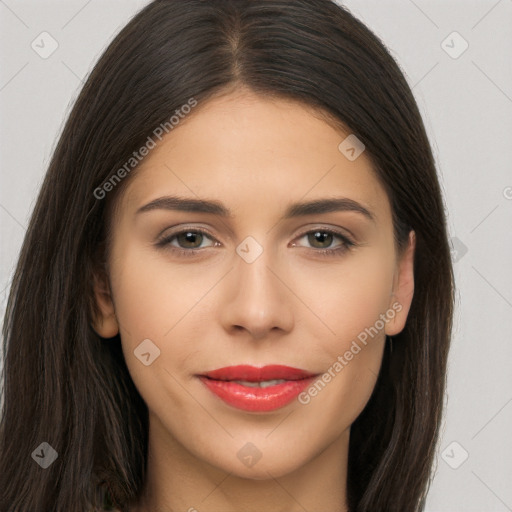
(257, 299)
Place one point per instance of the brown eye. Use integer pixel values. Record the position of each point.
(321, 242)
(189, 239)
(320, 239)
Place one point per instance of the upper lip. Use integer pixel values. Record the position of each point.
(258, 374)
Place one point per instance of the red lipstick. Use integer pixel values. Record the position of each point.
(257, 389)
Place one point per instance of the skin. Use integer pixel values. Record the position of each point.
(290, 306)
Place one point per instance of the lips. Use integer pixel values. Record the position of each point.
(257, 389)
(258, 374)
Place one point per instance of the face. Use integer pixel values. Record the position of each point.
(248, 280)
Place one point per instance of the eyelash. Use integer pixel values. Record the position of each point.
(347, 243)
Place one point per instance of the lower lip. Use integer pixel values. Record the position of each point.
(257, 399)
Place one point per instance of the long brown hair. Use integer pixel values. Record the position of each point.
(64, 385)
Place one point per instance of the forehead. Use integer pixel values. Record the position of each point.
(244, 149)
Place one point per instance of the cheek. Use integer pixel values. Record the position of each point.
(349, 297)
(153, 295)
(162, 302)
(352, 299)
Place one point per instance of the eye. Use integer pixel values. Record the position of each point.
(186, 241)
(322, 239)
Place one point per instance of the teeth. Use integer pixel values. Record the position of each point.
(262, 384)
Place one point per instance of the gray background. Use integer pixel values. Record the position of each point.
(466, 103)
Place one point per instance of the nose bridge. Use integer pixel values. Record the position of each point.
(257, 285)
(258, 301)
(256, 281)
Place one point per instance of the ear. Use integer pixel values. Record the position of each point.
(403, 288)
(105, 321)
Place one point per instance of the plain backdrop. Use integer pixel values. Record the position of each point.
(457, 57)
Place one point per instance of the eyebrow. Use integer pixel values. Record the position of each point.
(314, 207)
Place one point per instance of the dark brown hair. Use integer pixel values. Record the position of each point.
(64, 385)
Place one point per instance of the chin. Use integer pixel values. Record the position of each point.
(263, 469)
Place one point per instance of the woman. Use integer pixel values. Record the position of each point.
(235, 292)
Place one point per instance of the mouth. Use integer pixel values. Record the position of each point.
(257, 389)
